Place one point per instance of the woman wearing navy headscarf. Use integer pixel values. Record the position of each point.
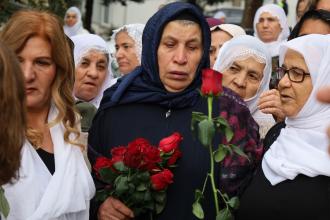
(158, 98)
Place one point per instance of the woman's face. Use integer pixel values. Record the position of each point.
(126, 53)
(218, 38)
(294, 95)
(268, 27)
(179, 54)
(244, 77)
(314, 26)
(71, 19)
(90, 74)
(39, 72)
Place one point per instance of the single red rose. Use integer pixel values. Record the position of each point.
(162, 179)
(102, 162)
(118, 153)
(174, 157)
(133, 156)
(212, 82)
(151, 158)
(140, 143)
(170, 143)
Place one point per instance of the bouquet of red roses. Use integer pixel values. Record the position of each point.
(138, 174)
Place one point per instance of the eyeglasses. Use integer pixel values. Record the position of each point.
(295, 75)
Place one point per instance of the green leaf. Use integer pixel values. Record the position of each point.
(160, 207)
(141, 187)
(234, 202)
(4, 205)
(147, 196)
(107, 175)
(102, 195)
(198, 195)
(225, 214)
(160, 197)
(220, 154)
(206, 132)
(198, 210)
(120, 166)
(226, 196)
(228, 148)
(137, 197)
(221, 121)
(121, 185)
(196, 117)
(222, 124)
(229, 134)
(239, 151)
(144, 176)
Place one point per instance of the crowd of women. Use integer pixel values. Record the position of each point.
(66, 100)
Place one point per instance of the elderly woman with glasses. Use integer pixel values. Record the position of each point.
(294, 178)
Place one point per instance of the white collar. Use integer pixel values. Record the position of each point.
(39, 195)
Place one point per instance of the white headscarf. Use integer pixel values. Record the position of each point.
(241, 48)
(83, 44)
(135, 31)
(278, 12)
(77, 28)
(301, 147)
(232, 29)
(38, 195)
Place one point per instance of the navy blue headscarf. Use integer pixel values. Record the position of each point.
(143, 85)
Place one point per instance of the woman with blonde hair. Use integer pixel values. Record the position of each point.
(12, 117)
(54, 181)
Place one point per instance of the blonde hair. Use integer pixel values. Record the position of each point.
(29, 23)
(12, 117)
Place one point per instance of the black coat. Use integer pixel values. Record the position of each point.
(302, 198)
(121, 124)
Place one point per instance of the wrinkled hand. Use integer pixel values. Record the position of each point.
(270, 103)
(323, 95)
(113, 209)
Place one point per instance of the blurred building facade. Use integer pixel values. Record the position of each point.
(106, 18)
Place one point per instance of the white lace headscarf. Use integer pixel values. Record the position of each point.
(278, 12)
(241, 48)
(83, 44)
(301, 147)
(135, 31)
(77, 27)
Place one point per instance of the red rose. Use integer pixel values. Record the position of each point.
(151, 156)
(170, 143)
(162, 179)
(118, 153)
(140, 143)
(212, 82)
(133, 156)
(174, 157)
(102, 162)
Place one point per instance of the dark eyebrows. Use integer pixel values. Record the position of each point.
(169, 37)
(85, 59)
(46, 58)
(102, 61)
(236, 64)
